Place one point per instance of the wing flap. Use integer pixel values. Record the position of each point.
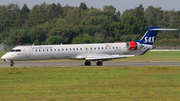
(107, 57)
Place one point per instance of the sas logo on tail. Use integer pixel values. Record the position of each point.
(149, 39)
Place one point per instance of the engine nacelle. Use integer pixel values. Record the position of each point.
(133, 46)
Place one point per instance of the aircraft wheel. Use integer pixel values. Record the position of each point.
(99, 63)
(87, 63)
(11, 63)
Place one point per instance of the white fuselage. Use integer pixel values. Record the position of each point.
(71, 51)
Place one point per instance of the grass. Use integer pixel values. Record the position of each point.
(121, 83)
(155, 56)
(149, 56)
(2, 53)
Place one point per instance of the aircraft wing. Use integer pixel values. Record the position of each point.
(108, 57)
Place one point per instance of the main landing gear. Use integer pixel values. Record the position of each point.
(11, 63)
(98, 63)
(87, 63)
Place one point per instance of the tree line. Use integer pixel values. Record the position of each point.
(54, 24)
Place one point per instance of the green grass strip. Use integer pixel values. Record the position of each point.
(149, 83)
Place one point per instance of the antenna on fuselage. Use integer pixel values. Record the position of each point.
(61, 43)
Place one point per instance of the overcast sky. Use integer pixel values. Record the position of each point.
(120, 5)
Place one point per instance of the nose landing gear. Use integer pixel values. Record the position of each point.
(11, 63)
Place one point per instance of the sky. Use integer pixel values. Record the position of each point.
(120, 5)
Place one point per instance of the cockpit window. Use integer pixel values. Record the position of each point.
(18, 50)
(12, 50)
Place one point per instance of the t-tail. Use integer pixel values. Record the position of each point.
(151, 34)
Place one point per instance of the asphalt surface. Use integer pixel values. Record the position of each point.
(71, 64)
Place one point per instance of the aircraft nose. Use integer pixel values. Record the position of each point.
(5, 56)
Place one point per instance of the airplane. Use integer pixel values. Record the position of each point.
(98, 52)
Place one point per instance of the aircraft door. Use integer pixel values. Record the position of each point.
(27, 52)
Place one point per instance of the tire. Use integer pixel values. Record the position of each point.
(87, 63)
(99, 63)
(11, 63)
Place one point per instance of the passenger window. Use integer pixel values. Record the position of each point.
(54, 49)
(98, 48)
(36, 50)
(86, 49)
(70, 49)
(66, 49)
(51, 49)
(43, 50)
(58, 49)
(116, 47)
(39, 50)
(106, 47)
(109, 47)
(62, 49)
(102, 48)
(47, 49)
(76, 48)
(113, 47)
(94, 48)
(80, 48)
(73, 48)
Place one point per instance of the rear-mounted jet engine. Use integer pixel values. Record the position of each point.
(133, 45)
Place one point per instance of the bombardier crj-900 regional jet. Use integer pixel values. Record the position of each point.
(88, 52)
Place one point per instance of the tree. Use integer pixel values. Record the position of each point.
(51, 13)
(4, 22)
(24, 13)
(38, 35)
(83, 6)
(37, 15)
(86, 39)
(55, 40)
(154, 16)
(24, 36)
(139, 21)
(118, 14)
(54, 11)
(14, 40)
(109, 8)
(59, 11)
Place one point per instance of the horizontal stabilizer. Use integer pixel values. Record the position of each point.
(163, 29)
(107, 57)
